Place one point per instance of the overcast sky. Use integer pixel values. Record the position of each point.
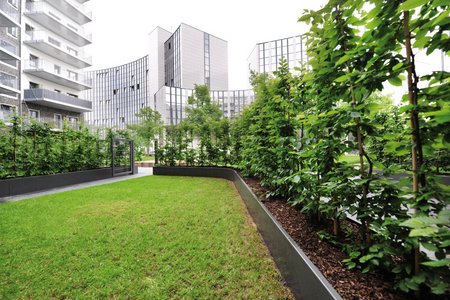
(120, 28)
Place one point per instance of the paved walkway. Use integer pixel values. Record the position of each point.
(142, 172)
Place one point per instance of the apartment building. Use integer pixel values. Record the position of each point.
(53, 60)
(10, 67)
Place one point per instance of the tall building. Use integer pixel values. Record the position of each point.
(53, 60)
(192, 56)
(176, 62)
(10, 39)
(266, 56)
(117, 94)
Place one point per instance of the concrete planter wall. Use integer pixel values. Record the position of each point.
(24, 185)
(300, 274)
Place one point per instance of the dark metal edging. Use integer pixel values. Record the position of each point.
(300, 274)
(31, 184)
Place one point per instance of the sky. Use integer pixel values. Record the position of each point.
(120, 28)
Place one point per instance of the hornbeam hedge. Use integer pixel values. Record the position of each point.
(294, 135)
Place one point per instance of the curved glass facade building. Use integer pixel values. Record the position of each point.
(117, 94)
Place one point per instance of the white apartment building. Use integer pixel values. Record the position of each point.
(53, 60)
(10, 94)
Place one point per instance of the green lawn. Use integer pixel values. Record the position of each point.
(350, 159)
(153, 237)
(147, 158)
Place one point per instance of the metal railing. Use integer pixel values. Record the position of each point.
(44, 7)
(9, 80)
(10, 11)
(8, 47)
(75, 4)
(38, 94)
(40, 35)
(48, 67)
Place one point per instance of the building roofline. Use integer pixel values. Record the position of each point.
(182, 23)
(159, 27)
(118, 66)
(284, 38)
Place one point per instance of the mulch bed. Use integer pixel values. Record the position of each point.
(350, 284)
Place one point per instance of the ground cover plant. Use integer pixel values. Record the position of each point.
(147, 238)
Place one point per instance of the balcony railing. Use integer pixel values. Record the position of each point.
(73, 9)
(55, 73)
(53, 47)
(9, 81)
(57, 100)
(47, 16)
(8, 47)
(9, 11)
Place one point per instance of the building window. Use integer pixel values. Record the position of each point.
(73, 122)
(57, 69)
(58, 121)
(72, 51)
(34, 114)
(72, 95)
(33, 85)
(6, 112)
(54, 42)
(13, 3)
(13, 31)
(72, 75)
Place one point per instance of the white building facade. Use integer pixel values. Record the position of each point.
(266, 56)
(53, 59)
(10, 40)
(176, 63)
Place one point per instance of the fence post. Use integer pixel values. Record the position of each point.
(132, 156)
(156, 152)
(112, 157)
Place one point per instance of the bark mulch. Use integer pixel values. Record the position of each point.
(350, 284)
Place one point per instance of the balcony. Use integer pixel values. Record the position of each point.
(9, 85)
(47, 16)
(73, 9)
(8, 52)
(57, 100)
(42, 41)
(49, 71)
(9, 15)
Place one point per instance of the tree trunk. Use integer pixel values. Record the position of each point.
(414, 124)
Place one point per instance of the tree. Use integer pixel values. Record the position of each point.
(149, 127)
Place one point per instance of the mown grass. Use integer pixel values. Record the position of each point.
(148, 158)
(350, 159)
(148, 238)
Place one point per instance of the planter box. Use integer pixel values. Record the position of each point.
(300, 274)
(24, 185)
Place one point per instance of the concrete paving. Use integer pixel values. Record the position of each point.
(141, 173)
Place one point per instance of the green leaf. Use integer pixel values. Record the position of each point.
(395, 81)
(442, 19)
(397, 66)
(437, 263)
(341, 78)
(430, 247)
(411, 4)
(342, 60)
(428, 231)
